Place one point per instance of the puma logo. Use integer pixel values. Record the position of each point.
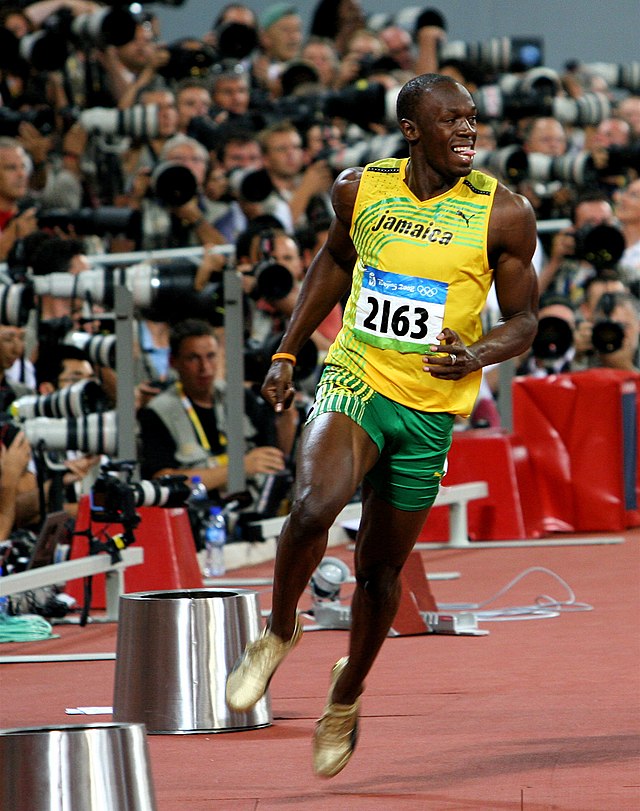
(464, 216)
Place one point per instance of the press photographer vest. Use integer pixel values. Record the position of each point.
(168, 406)
(422, 266)
(189, 452)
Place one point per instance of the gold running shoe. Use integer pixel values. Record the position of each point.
(251, 674)
(336, 732)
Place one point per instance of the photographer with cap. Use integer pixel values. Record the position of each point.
(281, 37)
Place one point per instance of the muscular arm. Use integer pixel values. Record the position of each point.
(512, 242)
(325, 283)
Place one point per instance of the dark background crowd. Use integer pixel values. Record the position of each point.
(127, 159)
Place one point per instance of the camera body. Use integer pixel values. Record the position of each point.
(600, 245)
(114, 499)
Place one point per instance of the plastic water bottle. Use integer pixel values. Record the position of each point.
(215, 537)
(198, 491)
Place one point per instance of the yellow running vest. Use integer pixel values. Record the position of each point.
(422, 266)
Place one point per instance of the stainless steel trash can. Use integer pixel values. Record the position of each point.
(175, 650)
(90, 767)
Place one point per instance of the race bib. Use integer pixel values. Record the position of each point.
(394, 311)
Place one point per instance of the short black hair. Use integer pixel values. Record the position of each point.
(233, 134)
(188, 328)
(548, 299)
(414, 90)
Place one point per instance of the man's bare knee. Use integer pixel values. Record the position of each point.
(379, 583)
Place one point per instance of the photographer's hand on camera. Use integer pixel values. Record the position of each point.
(563, 246)
(316, 179)
(192, 217)
(583, 344)
(39, 11)
(38, 146)
(13, 467)
(78, 468)
(138, 189)
(15, 458)
(159, 58)
(143, 393)
(19, 227)
(74, 144)
(264, 459)
(428, 39)
(211, 263)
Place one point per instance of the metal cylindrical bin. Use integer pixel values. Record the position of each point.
(90, 767)
(175, 650)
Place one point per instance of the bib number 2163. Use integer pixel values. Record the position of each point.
(399, 312)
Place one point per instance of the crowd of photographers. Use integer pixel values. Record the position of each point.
(114, 142)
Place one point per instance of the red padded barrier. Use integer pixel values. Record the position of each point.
(541, 415)
(511, 510)
(170, 560)
(574, 429)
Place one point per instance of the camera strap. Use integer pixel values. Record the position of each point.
(191, 413)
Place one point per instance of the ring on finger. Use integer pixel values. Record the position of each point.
(453, 357)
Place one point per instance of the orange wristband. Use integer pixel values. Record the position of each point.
(284, 356)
